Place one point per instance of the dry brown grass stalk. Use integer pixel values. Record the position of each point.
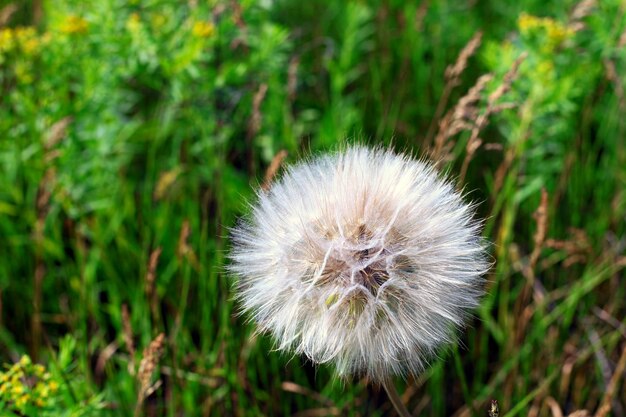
(103, 358)
(503, 168)
(534, 408)
(255, 120)
(307, 392)
(42, 206)
(57, 132)
(127, 335)
(421, 405)
(618, 86)
(566, 376)
(580, 12)
(37, 11)
(578, 357)
(605, 404)
(6, 13)
(577, 248)
(147, 367)
(599, 352)
(209, 381)
(555, 408)
(507, 81)
(454, 72)
(151, 293)
(184, 251)
(165, 182)
(292, 77)
(453, 79)
(604, 315)
(458, 119)
(579, 413)
(319, 412)
(254, 124)
(541, 219)
(272, 170)
(467, 115)
(622, 40)
(510, 154)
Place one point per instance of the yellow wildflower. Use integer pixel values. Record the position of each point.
(23, 33)
(17, 389)
(551, 32)
(6, 39)
(38, 370)
(22, 400)
(23, 72)
(25, 360)
(203, 29)
(545, 68)
(74, 24)
(54, 387)
(558, 32)
(133, 24)
(527, 22)
(43, 390)
(46, 38)
(31, 46)
(158, 21)
(16, 376)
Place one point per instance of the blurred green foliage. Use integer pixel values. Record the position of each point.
(133, 132)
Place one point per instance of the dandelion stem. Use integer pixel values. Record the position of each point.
(395, 398)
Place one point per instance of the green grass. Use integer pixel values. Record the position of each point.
(132, 127)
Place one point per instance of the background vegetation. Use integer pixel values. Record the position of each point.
(132, 133)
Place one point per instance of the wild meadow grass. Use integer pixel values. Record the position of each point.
(133, 132)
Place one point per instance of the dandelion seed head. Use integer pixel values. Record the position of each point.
(364, 258)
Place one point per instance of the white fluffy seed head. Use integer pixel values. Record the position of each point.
(364, 258)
